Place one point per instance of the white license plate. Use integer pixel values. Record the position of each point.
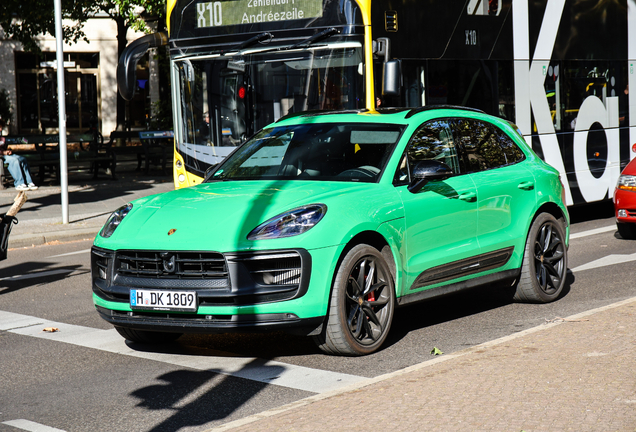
(163, 300)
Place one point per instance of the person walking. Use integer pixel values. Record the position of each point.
(18, 166)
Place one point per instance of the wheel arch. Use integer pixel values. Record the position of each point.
(374, 239)
(377, 241)
(556, 211)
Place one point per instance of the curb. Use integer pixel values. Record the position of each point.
(37, 239)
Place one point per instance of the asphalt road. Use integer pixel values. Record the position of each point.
(86, 378)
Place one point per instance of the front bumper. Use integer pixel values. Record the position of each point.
(625, 201)
(197, 323)
(247, 291)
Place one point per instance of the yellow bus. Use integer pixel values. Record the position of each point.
(239, 65)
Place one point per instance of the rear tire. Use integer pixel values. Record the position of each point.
(362, 304)
(545, 262)
(147, 337)
(626, 230)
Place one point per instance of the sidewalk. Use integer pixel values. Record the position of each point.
(574, 374)
(90, 203)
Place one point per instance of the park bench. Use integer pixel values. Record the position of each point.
(42, 151)
(149, 145)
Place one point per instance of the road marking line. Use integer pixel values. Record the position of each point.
(70, 253)
(31, 426)
(261, 370)
(593, 232)
(606, 261)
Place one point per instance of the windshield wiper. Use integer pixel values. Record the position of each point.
(251, 41)
(327, 33)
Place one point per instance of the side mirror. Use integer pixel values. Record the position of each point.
(426, 171)
(392, 82)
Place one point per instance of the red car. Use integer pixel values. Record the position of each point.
(625, 202)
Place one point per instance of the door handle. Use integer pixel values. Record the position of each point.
(526, 185)
(468, 196)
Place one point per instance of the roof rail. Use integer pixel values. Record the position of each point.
(414, 111)
(312, 113)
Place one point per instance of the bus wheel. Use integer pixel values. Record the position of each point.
(147, 337)
(545, 262)
(362, 304)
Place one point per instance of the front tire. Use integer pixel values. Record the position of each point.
(545, 262)
(147, 337)
(362, 304)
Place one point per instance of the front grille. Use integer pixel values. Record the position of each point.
(171, 265)
(231, 279)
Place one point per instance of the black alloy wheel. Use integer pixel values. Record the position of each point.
(544, 267)
(362, 304)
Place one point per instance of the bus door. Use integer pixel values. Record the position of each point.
(231, 113)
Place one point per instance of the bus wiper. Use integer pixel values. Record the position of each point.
(251, 41)
(302, 44)
(315, 38)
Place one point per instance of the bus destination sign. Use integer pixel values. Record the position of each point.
(233, 12)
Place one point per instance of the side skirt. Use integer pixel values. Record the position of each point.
(510, 275)
(465, 267)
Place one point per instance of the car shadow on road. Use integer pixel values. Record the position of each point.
(25, 275)
(455, 306)
(195, 398)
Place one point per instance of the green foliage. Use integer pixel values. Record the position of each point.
(436, 351)
(162, 109)
(162, 115)
(6, 110)
(24, 21)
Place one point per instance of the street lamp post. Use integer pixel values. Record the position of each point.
(61, 102)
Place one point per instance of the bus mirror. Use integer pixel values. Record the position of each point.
(382, 48)
(127, 66)
(392, 83)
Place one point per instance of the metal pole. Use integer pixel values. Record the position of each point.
(61, 103)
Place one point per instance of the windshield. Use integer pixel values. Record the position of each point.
(355, 152)
(225, 99)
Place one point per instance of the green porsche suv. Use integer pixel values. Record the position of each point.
(325, 223)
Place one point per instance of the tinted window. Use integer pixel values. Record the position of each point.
(331, 151)
(484, 146)
(433, 140)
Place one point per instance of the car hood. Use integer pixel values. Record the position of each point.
(220, 215)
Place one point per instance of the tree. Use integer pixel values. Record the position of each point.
(24, 21)
(126, 14)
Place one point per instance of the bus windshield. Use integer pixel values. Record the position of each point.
(349, 152)
(223, 99)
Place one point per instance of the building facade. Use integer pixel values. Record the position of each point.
(90, 83)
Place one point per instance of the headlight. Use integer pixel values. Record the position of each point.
(289, 224)
(627, 182)
(114, 220)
